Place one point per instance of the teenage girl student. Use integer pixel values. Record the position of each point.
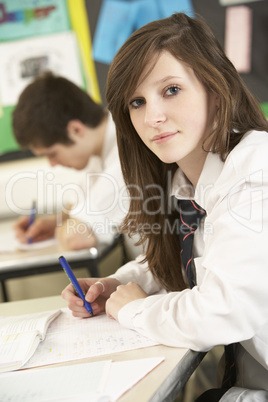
(189, 129)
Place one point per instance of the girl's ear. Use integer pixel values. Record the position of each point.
(75, 128)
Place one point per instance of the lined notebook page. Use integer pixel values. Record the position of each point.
(69, 338)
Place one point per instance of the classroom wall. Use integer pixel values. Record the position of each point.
(215, 13)
(253, 25)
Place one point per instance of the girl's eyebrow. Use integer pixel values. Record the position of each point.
(167, 78)
(164, 79)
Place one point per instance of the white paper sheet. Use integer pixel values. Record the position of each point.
(103, 381)
(9, 244)
(54, 384)
(124, 375)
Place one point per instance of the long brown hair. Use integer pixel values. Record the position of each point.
(189, 40)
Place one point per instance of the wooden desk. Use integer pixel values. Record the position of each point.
(162, 384)
(46, 260)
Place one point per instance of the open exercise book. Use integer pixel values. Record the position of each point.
(67, 338)
(56, 336)
(20, 337)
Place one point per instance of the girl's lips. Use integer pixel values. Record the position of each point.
(159, 139)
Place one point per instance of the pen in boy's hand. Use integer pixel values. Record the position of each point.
(75, 283)
(32, 218)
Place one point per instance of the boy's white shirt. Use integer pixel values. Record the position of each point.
(103, 201)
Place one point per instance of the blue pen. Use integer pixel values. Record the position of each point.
(32, 218)
(75, 283)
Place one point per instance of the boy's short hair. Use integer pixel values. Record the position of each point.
(45, 107)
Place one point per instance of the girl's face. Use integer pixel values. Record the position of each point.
(173, 113)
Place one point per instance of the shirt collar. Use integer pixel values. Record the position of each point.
(183, 189)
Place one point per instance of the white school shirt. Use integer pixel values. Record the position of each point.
(229, 303)
(101, 201)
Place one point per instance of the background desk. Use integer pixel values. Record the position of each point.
(162, 384)
(45, 260)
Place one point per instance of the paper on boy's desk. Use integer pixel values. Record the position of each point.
(103, 381)
(9, 243)
(69, 338)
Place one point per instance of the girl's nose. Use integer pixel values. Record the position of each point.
(154, 116)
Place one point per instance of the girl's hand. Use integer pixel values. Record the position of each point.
(123, 295)
(96, 294)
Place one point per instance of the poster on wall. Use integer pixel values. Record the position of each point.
(21, 61)
(242, 29)
(233, 2)
(119, 18)
(24, 18)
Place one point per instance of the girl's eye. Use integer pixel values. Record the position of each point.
(136, 103)
(173, 90)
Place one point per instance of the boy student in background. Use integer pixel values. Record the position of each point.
(58, 120)
(182, 109)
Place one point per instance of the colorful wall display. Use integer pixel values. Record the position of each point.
(24, 18)
(40, 35)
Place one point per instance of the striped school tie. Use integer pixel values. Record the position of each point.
(190, 216)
